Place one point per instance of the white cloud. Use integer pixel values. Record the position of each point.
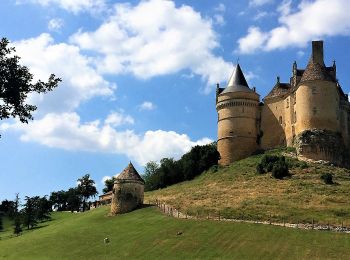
(81, 81)
(74, 6)
(256, 3)
(66, 131)
(219, 19)
(117, 119)
(156, 38)
(104, 178)
(220, 8)
(311, 20)
(55, 24)
(260, 15)
(147, 105)
(254, 40)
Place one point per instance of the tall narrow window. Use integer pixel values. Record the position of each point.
(280, 120)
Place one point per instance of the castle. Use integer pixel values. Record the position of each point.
(310, 113)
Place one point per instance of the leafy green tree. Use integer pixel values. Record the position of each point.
(74, 199)
(1, 224)
(86, 188)
(43, 208)
(109, 183)
(17, 230)
(29, 212)
(58, 199)
(150, 175)
(7, 207)
(16, 82)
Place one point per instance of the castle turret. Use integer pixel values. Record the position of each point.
(317, 97)
(128, 191)
(237, 107)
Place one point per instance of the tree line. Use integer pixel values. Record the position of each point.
(38, 209)
(190, 165)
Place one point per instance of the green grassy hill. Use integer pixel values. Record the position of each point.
(147, 234)
(237, 191)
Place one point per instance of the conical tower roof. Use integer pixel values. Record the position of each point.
(237, 82)
(130, 173)
(315, 71)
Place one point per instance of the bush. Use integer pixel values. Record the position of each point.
(260, 169)
(303, 165)
(280, 170)
(327, 178)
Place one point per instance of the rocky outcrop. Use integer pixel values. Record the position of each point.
(322, 145)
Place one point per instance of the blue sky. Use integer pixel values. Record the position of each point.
(139, 77)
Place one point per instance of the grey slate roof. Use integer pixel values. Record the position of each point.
(130, 173)
(278, 90)
(237, 82)
(316, 71)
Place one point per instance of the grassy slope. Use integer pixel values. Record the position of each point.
(237, 191)
(146, 233)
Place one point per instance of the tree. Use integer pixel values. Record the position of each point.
(74, 199)
(109, 183)
(7, 206)
(86, 188)
(17, 223)
(150, 175)
(58, 200)
(17, 226)
(1, 224)
(16, 82)
(29, 212)
(43, 209)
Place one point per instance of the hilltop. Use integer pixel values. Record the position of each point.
(237, 191)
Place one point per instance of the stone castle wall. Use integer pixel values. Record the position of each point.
(127, 196)
(317, 107)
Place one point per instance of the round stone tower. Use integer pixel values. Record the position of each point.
(317, 96)
(237, 107)
(128, 191)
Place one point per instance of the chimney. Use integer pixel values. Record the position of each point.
(317, 52)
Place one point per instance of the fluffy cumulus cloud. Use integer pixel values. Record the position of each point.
(74, 6)
(156, 38)
(66, 131)
(147, 105)
(80, 80)
(311, 20)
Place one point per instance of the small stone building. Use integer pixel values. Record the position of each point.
(128, 191)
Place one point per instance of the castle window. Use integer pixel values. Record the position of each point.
(280, 120)
(295, 98)
(313, 90)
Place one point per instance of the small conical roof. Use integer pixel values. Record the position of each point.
(130, 173)
(237, 82)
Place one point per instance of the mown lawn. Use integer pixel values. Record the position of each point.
(237, 191)
(147, 234)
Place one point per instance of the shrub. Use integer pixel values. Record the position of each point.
(280, 169)
(303, 165)
(260, 169)
(327, 178)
